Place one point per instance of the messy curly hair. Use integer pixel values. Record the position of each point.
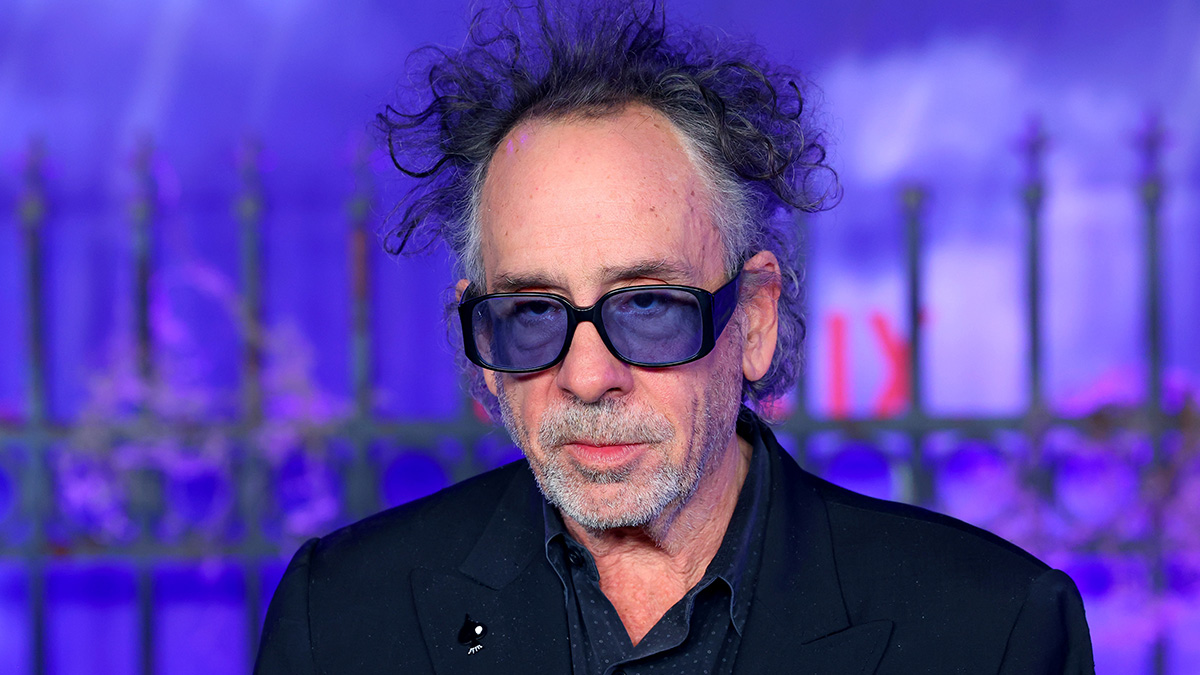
(744, 124)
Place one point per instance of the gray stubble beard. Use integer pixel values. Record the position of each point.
(564, 482)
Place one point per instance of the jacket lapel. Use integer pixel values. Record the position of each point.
(506, 585)
(797, 617)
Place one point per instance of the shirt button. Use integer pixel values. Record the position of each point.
(577, 560)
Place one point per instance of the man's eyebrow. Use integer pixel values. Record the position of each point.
(508, 283)
(667, 270)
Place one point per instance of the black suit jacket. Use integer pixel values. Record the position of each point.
(848, 584)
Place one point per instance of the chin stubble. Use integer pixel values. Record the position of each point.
(568, 485)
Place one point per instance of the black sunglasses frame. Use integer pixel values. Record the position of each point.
(716, 309)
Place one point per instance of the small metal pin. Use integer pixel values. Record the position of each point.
(470, 634)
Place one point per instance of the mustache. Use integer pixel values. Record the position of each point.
(606, 422)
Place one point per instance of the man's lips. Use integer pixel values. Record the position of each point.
(593, 454)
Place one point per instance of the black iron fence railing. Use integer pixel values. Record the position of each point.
(149, 422)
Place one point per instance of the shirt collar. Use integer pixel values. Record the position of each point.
(737, 560)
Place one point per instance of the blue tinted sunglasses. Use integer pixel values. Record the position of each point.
(651, 326)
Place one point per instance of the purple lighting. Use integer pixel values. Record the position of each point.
(206, 358)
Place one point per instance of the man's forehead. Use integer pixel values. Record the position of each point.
(583, 205)
(674, 270)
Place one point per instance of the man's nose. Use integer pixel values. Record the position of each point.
(590, 371)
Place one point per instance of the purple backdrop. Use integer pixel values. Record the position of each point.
(930, 92)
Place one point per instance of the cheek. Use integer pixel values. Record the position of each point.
(528, 395)
(677, 394)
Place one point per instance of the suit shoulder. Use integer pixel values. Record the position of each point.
(437, 529)
(358, 582)
(911, 531)
(947, 587)
(893, 552)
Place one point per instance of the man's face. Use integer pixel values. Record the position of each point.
(579, 207)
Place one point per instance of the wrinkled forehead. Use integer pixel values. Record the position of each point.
(580, 204)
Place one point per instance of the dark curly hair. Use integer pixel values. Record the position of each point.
(743, 122)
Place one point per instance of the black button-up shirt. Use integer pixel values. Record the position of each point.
(700, 633)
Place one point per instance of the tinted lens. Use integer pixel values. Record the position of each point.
(656, 326)
(519, 332)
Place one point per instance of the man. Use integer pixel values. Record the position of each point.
(613, 192)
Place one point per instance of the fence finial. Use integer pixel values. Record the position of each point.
(1150, 142)
(31, 206)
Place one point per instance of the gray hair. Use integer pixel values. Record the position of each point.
(760, 153)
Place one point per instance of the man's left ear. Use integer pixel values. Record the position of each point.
(460, 288)
(761, 274)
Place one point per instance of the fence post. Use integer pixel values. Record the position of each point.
(252, 478)
(800, 422)
(1033, 191)
(914, 199)
(361, 484)
(1032, 147)
(1150, 144)
(32, 210)
(145, 481)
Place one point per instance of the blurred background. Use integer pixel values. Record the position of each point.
(206, 357)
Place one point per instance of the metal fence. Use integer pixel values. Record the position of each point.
(34, 445)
